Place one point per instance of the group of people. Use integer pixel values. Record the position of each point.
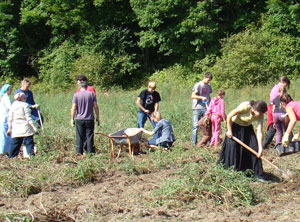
(19, 120)
(283, 113)
(84, 104)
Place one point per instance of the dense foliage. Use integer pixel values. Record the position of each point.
(116, 42)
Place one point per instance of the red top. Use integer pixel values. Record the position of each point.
(89, 88)
(270, 116)
(296, 108)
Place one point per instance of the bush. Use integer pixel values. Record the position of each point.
(255, 57)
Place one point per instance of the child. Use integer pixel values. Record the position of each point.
(279, 116)
(205, 128)
(201, 97)
(283, 82)
(239, 124)
(20, 126)
(147, 102)
(216, 113)
(166, 131)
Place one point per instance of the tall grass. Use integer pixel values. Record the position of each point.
(56, 163)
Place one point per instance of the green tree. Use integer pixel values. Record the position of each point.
(10, 39)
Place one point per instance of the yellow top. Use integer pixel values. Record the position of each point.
(244, 116)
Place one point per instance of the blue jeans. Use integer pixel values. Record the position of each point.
(197, 115)
(164, 144)
(142, 117)
(16, 144)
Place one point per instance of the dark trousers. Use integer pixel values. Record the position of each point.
(85, 135)
(16, 144)
(269, 136)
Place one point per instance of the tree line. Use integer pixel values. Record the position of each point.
(117, 42)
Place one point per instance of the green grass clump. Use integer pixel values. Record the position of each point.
(195, 182)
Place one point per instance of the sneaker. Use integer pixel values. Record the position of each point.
(261, 179)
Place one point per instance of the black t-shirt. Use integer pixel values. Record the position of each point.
(276, 102)
(148, 99)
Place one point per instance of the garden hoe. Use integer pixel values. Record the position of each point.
(285, 174)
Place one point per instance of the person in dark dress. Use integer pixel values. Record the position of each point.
(239, 124)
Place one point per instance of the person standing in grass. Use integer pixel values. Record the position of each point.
(84, 104)
(201, 97)
(5, 105)
(25, 85)
(148, 102)
(284, 82)
(20, 126)
(239, 125)
(216, 113)
(164, 127)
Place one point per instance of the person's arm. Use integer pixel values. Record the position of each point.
(293, 120)
(150, 133)
(97, 113)
(259, 135)
(195, 96)
(229, 122)
(138, 102)
(27, 113)
(10, 119)
(156, 106)
(273, 108)
(73, 111)
(223, 110)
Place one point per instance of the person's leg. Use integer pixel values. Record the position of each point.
(15, 146)
(80, 135)
(217, 130)
(29, 144)
(89, 127)
(197, 114)
(142, 117)
(269, 136)
(279, 126)
(216, 123)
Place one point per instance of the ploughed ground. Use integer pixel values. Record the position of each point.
(121, 197)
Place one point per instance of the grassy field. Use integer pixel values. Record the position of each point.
(193, 176)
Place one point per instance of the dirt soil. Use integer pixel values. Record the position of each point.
(119, 197)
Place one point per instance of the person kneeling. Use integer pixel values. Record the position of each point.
(165, 132)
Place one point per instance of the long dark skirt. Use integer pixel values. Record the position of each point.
(233, 154)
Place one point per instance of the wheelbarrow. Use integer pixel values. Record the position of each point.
(128, 136)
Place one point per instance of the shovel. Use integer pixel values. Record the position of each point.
(285, 174)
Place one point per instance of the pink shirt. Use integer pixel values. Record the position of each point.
(274, 92)
(89, 88)
(216, 107)
(296, 108)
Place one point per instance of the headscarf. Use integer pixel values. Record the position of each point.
(20, 96)
(4, 88)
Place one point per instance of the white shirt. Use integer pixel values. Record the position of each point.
(20, 119)
(5, 105)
